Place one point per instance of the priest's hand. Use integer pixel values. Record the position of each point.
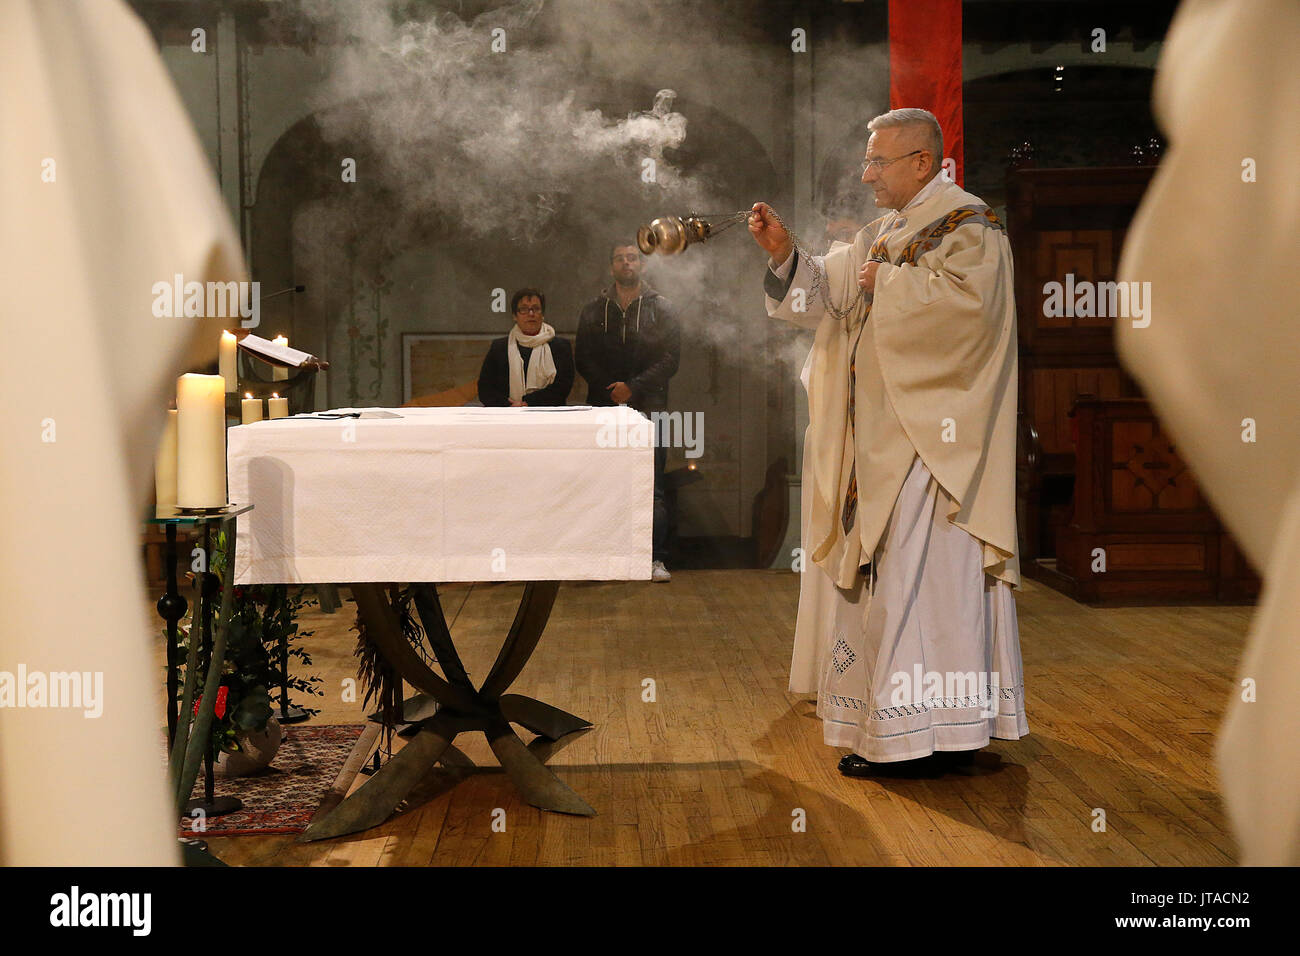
(867, 275)
(515, 403)
(769, 233)
(619, 392)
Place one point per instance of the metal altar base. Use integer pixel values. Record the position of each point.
(457, 708)
(196, 853)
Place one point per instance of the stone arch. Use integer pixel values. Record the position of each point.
(302, 168)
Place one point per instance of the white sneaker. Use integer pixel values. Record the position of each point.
(659, 573)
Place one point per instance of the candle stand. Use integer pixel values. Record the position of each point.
(172, 607)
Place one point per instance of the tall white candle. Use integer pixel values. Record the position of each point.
(250, 409)
(279, 374)
(230, 361)
(277, 407)
(164, 465)
(200, 441)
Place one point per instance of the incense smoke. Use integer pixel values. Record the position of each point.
(521, 135)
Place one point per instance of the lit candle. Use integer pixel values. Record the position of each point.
(200, 441)
(164, 465)
(280, 374)
(230, 361)
(250, 409)
(279, 407)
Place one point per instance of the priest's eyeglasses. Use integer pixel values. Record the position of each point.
(879, 164)
(529, 310)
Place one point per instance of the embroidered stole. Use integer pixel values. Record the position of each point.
(925, 241)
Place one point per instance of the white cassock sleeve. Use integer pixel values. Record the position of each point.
(788, 290)
(1217, 352)
(106, 191)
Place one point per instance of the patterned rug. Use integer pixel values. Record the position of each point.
(310, 766)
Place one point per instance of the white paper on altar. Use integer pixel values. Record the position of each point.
(445, 494)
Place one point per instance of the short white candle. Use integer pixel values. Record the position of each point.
(277, 406)
(279, 374)
(200, 441)
(164, 465)
(250, 409)
(230, 361)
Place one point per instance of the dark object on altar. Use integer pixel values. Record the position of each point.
(256, 374)
(256, 380)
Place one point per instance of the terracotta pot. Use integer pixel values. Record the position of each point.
(256, 750)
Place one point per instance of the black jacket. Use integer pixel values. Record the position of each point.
(494, 377)
(641, 347)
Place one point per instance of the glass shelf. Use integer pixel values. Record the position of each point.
(167, 514)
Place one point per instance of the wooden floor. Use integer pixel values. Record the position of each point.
(1123, 705)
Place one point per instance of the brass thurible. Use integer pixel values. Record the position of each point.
(669, 235)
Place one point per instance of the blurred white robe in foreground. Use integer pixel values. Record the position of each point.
(127, 200)
(1223, 346)
(922, 653)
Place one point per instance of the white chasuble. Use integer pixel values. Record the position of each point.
(924, 664)
(1215, 243)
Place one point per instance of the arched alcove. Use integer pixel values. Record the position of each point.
(373, 273)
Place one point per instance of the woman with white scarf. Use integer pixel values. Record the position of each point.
(530, 366)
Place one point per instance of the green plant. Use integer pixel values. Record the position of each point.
(260, 615)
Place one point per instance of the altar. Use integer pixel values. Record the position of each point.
(365, 498)
(444, 494)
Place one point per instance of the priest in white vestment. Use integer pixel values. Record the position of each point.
(907, 627)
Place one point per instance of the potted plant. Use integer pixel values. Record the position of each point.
(245, 733)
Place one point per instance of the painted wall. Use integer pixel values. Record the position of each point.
(784, 127)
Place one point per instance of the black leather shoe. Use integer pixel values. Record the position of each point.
(964, 763)
(930, 767)
(851, 765)
(955, 758)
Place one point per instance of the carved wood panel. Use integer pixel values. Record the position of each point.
(1087, 254)
(1053, 392)
(1146, 474)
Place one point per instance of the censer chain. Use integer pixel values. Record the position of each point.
(721, 222)
(840, 315)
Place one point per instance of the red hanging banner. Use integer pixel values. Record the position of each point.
(925, 67)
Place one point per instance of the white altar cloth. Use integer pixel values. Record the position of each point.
(445, 494)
